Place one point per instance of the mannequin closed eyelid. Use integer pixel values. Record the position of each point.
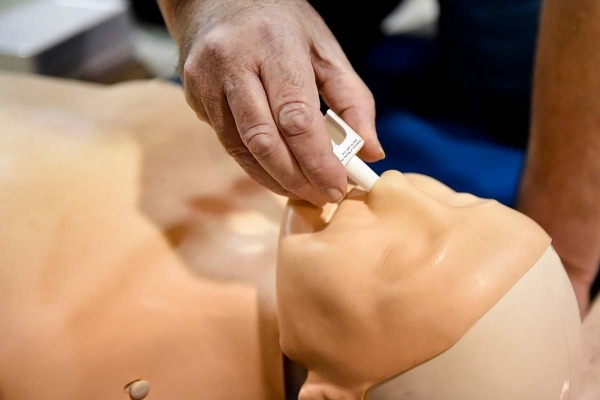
(393, 190)
(394, 181)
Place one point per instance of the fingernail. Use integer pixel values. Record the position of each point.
(382, 153)
(332, 195)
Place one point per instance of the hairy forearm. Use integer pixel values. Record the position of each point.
(186, 18)
(177, 13)
(561, 182)
(179, 16)
(170, 10)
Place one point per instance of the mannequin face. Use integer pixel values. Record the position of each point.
(390, 279)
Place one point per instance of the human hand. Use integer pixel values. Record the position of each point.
(254, 70)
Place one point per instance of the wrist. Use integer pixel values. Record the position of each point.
(177, 17)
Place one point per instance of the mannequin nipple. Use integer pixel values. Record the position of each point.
(138, 389)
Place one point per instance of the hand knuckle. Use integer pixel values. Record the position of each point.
(269, 28)
(216, 46)
(241, 155)
(261, 141)
(316, 167)
(296, 118)
(293, 184)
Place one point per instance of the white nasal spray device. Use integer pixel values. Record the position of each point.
(346, 143)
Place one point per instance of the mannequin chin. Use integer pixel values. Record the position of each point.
(414, 291)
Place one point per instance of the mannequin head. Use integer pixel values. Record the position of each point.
(379, 287)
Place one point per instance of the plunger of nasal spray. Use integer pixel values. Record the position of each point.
(346, 143)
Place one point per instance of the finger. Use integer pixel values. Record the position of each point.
(294, 101)
(193, 88)
(305, 132)
(230, 139)
(212, 107)
(260, 135)
(349, 97)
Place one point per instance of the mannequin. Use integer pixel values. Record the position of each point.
(413, 291)
(134, 253)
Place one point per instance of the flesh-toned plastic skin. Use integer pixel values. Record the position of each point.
(131, 247)
(527, 346)
(403, 287)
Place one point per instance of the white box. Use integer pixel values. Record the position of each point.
(69, 38)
